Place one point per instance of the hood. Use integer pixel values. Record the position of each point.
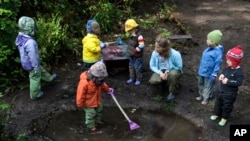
(220, 48)
(83, 75)
(21, 39)
(90, 37)
(217, 48)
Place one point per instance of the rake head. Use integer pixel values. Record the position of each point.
(133, 125)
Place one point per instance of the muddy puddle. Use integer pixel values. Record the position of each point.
(154, 126)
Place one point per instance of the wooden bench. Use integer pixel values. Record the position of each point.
(176, 37)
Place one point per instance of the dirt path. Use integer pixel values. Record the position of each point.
(231, 17)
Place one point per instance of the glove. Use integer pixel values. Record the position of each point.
(102, 45)
(111, 91)
(119, 41)
(212, 78)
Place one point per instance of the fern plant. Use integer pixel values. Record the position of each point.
(51, 38)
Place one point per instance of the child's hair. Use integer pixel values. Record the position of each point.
(91, 25)
(95, 25)
(89, 76)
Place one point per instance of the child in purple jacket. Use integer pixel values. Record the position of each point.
(29, 56)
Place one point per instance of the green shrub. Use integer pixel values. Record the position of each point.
(170, 106)
(51, 38)
(4, 108)
(9, 61)
(22, 137)
(106, 14)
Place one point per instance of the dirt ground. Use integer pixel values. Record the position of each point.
(200, 17)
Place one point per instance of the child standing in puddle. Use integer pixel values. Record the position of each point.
(89, 94)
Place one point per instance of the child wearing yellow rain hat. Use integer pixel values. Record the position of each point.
(135, 51)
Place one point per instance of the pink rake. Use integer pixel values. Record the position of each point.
(132, 124)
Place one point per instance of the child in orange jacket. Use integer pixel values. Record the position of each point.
(89, 93)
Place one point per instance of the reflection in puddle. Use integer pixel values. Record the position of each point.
(155, 126)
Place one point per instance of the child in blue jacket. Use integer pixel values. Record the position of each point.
(209, 66)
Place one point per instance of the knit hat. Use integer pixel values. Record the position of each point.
(235, 55)
(130, 24)
(215, 36)
(27, 25)
(91, 24)
(98, 69)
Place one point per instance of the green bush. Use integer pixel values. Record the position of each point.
(9, 61)
(4, 109)
(106, 14)
(54, 29)
(51, 38)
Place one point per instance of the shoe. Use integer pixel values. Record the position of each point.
(171, 96)
(213, 117)
(204, 102)
(93, 129)
(130, 81)
(222, 122)
(39, 96)
(199, 98)
(54, 76)
(137, 82)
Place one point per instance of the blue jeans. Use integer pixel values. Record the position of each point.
(205, 87)
(135, 68)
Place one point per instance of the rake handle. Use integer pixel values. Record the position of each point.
(110, 43)
(119, 106)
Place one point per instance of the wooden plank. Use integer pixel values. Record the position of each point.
(176, 37)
